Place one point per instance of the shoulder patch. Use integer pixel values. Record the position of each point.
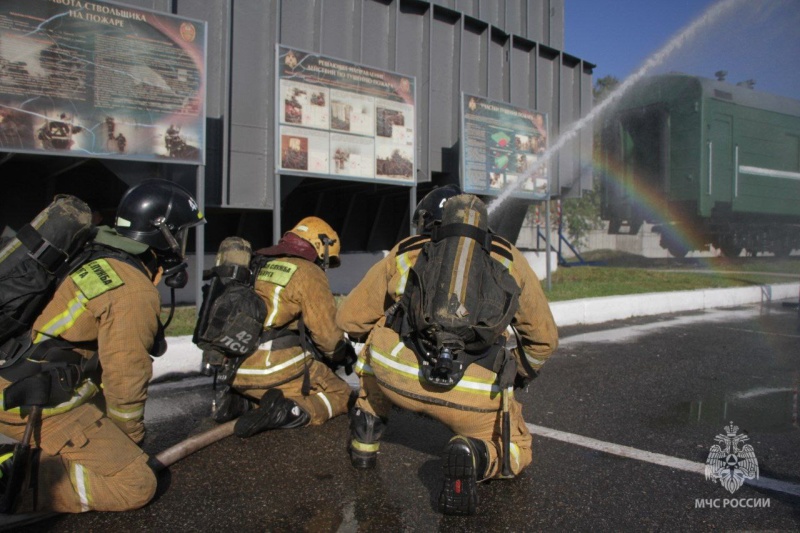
(277, 272)
(96, 277)
(412, 243)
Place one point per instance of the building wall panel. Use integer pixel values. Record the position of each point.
(475, 57)
(342, 29)
(300, 24)
(412, 57)
(522, 65)
(250, 176)
(555, 18)
(379, 35)
(546, 100)
(569, 109)
(498, 72)
(443, 86)
(515, 15)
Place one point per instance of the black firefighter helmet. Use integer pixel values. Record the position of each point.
(429, 210)
(159, 213)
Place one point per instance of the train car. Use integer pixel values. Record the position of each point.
(707, 162)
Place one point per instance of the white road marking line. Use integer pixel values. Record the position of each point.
(655, 458)
(760, 391)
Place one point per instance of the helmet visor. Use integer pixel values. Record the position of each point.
(182, 235)
(177, 241)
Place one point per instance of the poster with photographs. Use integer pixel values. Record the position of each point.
(352, 155)
(362, 119)
(304, 150)
(127, 84)
(354, 115)
(393, 161)
(392, 122)
(502, 148)
(304, 105)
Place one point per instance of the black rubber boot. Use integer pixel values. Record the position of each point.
(274, 411)
(229, 405)
(365, 432)
(464, 461)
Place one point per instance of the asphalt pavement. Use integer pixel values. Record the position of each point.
(624, 418)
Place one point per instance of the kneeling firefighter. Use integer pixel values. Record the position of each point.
(290, 374)
(86, 370)
(436, 310)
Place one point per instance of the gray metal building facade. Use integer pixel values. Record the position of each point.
(505, 50)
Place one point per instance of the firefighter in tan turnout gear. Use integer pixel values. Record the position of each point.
(391, 372)
(291, 386)
(104, 322)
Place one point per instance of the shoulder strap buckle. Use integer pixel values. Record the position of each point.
(41, 250)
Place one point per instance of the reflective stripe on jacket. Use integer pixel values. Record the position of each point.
(291, 287)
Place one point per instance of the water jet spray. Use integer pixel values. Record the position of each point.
(707, 18)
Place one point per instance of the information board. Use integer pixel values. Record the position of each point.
(101, 79)
(343, 120)
(502, 145)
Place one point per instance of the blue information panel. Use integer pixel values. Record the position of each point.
(501, 148)
(100, 79)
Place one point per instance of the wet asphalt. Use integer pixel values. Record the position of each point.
(666, 384)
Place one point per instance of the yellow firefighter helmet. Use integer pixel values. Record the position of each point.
(322, 237)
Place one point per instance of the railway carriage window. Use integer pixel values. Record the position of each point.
(645, 150)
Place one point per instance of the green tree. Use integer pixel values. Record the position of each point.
(603, 86)
(581, 215)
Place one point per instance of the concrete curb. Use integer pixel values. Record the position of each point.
(183, 357)
(599, 310)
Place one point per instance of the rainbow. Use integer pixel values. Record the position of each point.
(649, 201)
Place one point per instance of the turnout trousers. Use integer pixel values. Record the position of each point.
(285, 370)
(389, 375)
(86, 463)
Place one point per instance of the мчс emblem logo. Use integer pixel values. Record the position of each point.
(188, 32)
(730, 462)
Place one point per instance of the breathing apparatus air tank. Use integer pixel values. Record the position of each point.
(232, 266)
(36, 257)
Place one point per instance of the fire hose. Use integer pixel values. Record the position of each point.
(188, 446)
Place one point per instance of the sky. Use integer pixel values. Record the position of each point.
(751, 39)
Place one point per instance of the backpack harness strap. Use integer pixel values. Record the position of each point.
(47, 375)
(238, 273)
(415, 242)
(519, 381)
(484, 238)
(41, 250)
(281, 338)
